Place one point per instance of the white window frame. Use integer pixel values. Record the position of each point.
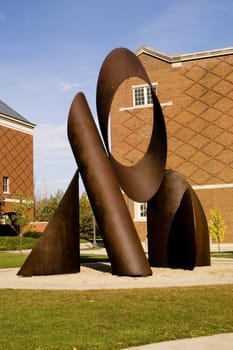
(5, 184)
(139, 211)
(144, 89)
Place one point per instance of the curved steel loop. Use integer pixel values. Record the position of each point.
(177, 230)
(140, 181)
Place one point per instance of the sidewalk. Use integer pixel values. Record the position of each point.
(213, 342)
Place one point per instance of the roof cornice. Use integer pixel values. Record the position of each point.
(16, 124)
(184, 57)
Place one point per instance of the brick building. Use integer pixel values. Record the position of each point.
(16, 157)
(196, 95)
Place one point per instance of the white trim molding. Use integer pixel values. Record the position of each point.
(165, 104)
(183, 57)
(213, 186)
(137, 212)
(17, 125)
(14, 200)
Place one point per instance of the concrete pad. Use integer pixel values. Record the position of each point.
(98, 276)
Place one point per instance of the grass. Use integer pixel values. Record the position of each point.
(228, 255)
(8, 260)
(111, 319)
(12, 243)
(84, 258)
(28, 242)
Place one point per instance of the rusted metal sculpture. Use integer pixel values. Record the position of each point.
(116, 226)
(57, 250)
(177, 228)
(118, 66)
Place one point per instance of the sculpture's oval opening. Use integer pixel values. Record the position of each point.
(131, 121)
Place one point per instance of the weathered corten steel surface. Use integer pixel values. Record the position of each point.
(177, 228)
(58, 250)
(143, 179)
(116, 226)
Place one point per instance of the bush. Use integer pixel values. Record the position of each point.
(13, 243)
(46, 207)
(217, 226)
(32, 234)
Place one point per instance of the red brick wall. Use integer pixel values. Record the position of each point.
(222, 199)
(16, 162)
(199, 124)
(36, 226)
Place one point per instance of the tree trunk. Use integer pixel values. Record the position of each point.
(219, 250)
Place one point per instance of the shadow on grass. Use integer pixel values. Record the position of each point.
(96, 262)
(99, 266)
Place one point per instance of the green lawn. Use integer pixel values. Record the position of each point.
(8, 260)
(228, 255)
(111, 319)
(27, 242)
(13, 243)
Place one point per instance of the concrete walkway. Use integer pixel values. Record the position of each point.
(214, 342)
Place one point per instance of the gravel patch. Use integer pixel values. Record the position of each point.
(98, 276)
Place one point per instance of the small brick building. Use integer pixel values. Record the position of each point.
(16, 157)
(196, 95)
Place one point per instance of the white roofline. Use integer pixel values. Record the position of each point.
(184, 57)
(16, 124)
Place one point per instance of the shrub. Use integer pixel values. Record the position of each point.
(32, 234)
(217, 226)
(12, 243)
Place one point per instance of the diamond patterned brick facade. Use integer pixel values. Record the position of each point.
(16, 160)
(196, 92)
(130, 129)
(202, 145)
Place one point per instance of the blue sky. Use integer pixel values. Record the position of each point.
(52, 49)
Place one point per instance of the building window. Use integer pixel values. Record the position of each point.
(140, 211)
(5, 184)
(142, 95)
(139, 96)
(143, 210)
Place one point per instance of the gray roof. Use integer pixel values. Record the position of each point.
(8, 111)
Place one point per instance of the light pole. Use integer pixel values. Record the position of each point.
(94, 232)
